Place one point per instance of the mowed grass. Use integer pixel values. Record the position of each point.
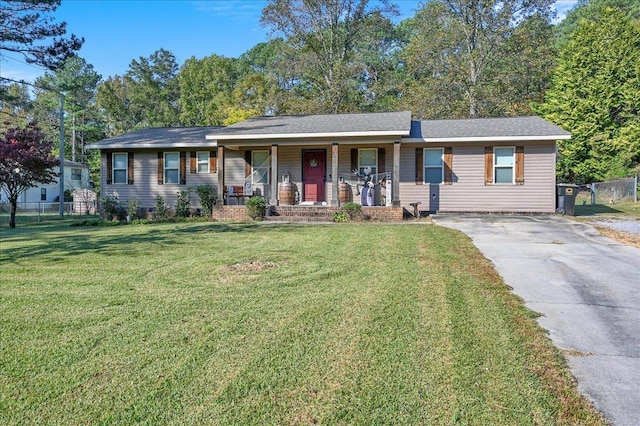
(208, 323)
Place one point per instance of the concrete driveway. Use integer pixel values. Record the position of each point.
(587, 287)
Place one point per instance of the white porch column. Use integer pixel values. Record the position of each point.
(395, 183)
(334, 174)
(220, 163)
(273, 199)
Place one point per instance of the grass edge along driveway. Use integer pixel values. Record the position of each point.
(209, 323)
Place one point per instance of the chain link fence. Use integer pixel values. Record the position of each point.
(615, 190)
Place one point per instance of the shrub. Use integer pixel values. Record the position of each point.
(208, 198)
(132, 208)
(354, 210)
(161, 208)
(183, 205)
(110, 208)
(256, 207)
(341, 216)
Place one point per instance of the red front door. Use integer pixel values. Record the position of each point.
(314, 168)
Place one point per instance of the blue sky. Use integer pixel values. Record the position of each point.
(118, 31)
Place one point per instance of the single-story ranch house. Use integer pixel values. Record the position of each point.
(385, 161)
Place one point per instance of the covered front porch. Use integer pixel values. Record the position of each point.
(320, 174)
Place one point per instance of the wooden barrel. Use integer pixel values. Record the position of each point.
(344, 193)
(286, 193)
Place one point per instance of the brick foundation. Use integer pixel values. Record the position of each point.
(307, 213)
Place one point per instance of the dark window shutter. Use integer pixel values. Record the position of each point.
(448, 166)
(247, 163)
(488, 165)
(419, 166)
(213, 162)
(519, 165)
(354, 159)
(183, 167)
(160, 168)
(193, 162)
(130, 168)
(381, 160)
(109, 168)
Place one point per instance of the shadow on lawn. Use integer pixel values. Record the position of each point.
(593, 210)
(59, 241)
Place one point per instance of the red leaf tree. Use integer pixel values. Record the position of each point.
(25, 161)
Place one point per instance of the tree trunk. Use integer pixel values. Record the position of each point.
(14, 207)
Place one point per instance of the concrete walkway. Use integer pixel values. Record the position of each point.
(587, 287)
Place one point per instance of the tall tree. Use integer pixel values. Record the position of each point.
(324, 35)
(78, 81)
(457, 50)
(25, 160)
(590, 10)
(206, 86)
(16, 106)
(154, 89)
(114, 100)
(148, 95)
(595, 94)
(29, 29)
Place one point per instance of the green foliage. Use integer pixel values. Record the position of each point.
(132, 208)
(256, 207)
(206, 87)
(354, 210)
(111, 209)
(28, 28)
(341, 216)
(590, 10)
(161, 211)
(330, 46)
(183, 205)
(595, 94)
(471, 59)
(208, 198)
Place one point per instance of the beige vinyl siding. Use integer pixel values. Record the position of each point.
(146, 188)
(468, 193)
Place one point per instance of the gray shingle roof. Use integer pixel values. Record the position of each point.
(386, 123)
(484, 128)
(158, 137)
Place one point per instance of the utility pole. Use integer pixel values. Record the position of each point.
(61, 179)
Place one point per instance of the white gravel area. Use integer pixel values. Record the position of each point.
(629, 226)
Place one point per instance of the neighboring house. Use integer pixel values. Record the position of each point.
(473, 165)
(76, 176)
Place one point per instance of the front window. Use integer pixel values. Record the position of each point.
(171, 167)
(503, 164)
(76, 174)
(368, 161)
(203, 162)
(119, 168)
(260, 167)
(433, 165)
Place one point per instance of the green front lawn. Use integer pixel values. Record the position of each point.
(208, 323)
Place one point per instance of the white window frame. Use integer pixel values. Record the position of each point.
(256, 167)
(361, 166)
(426, 166)
(511, 166)
(167, 169)
(125, 169)
(76, 174)
(202, 162)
